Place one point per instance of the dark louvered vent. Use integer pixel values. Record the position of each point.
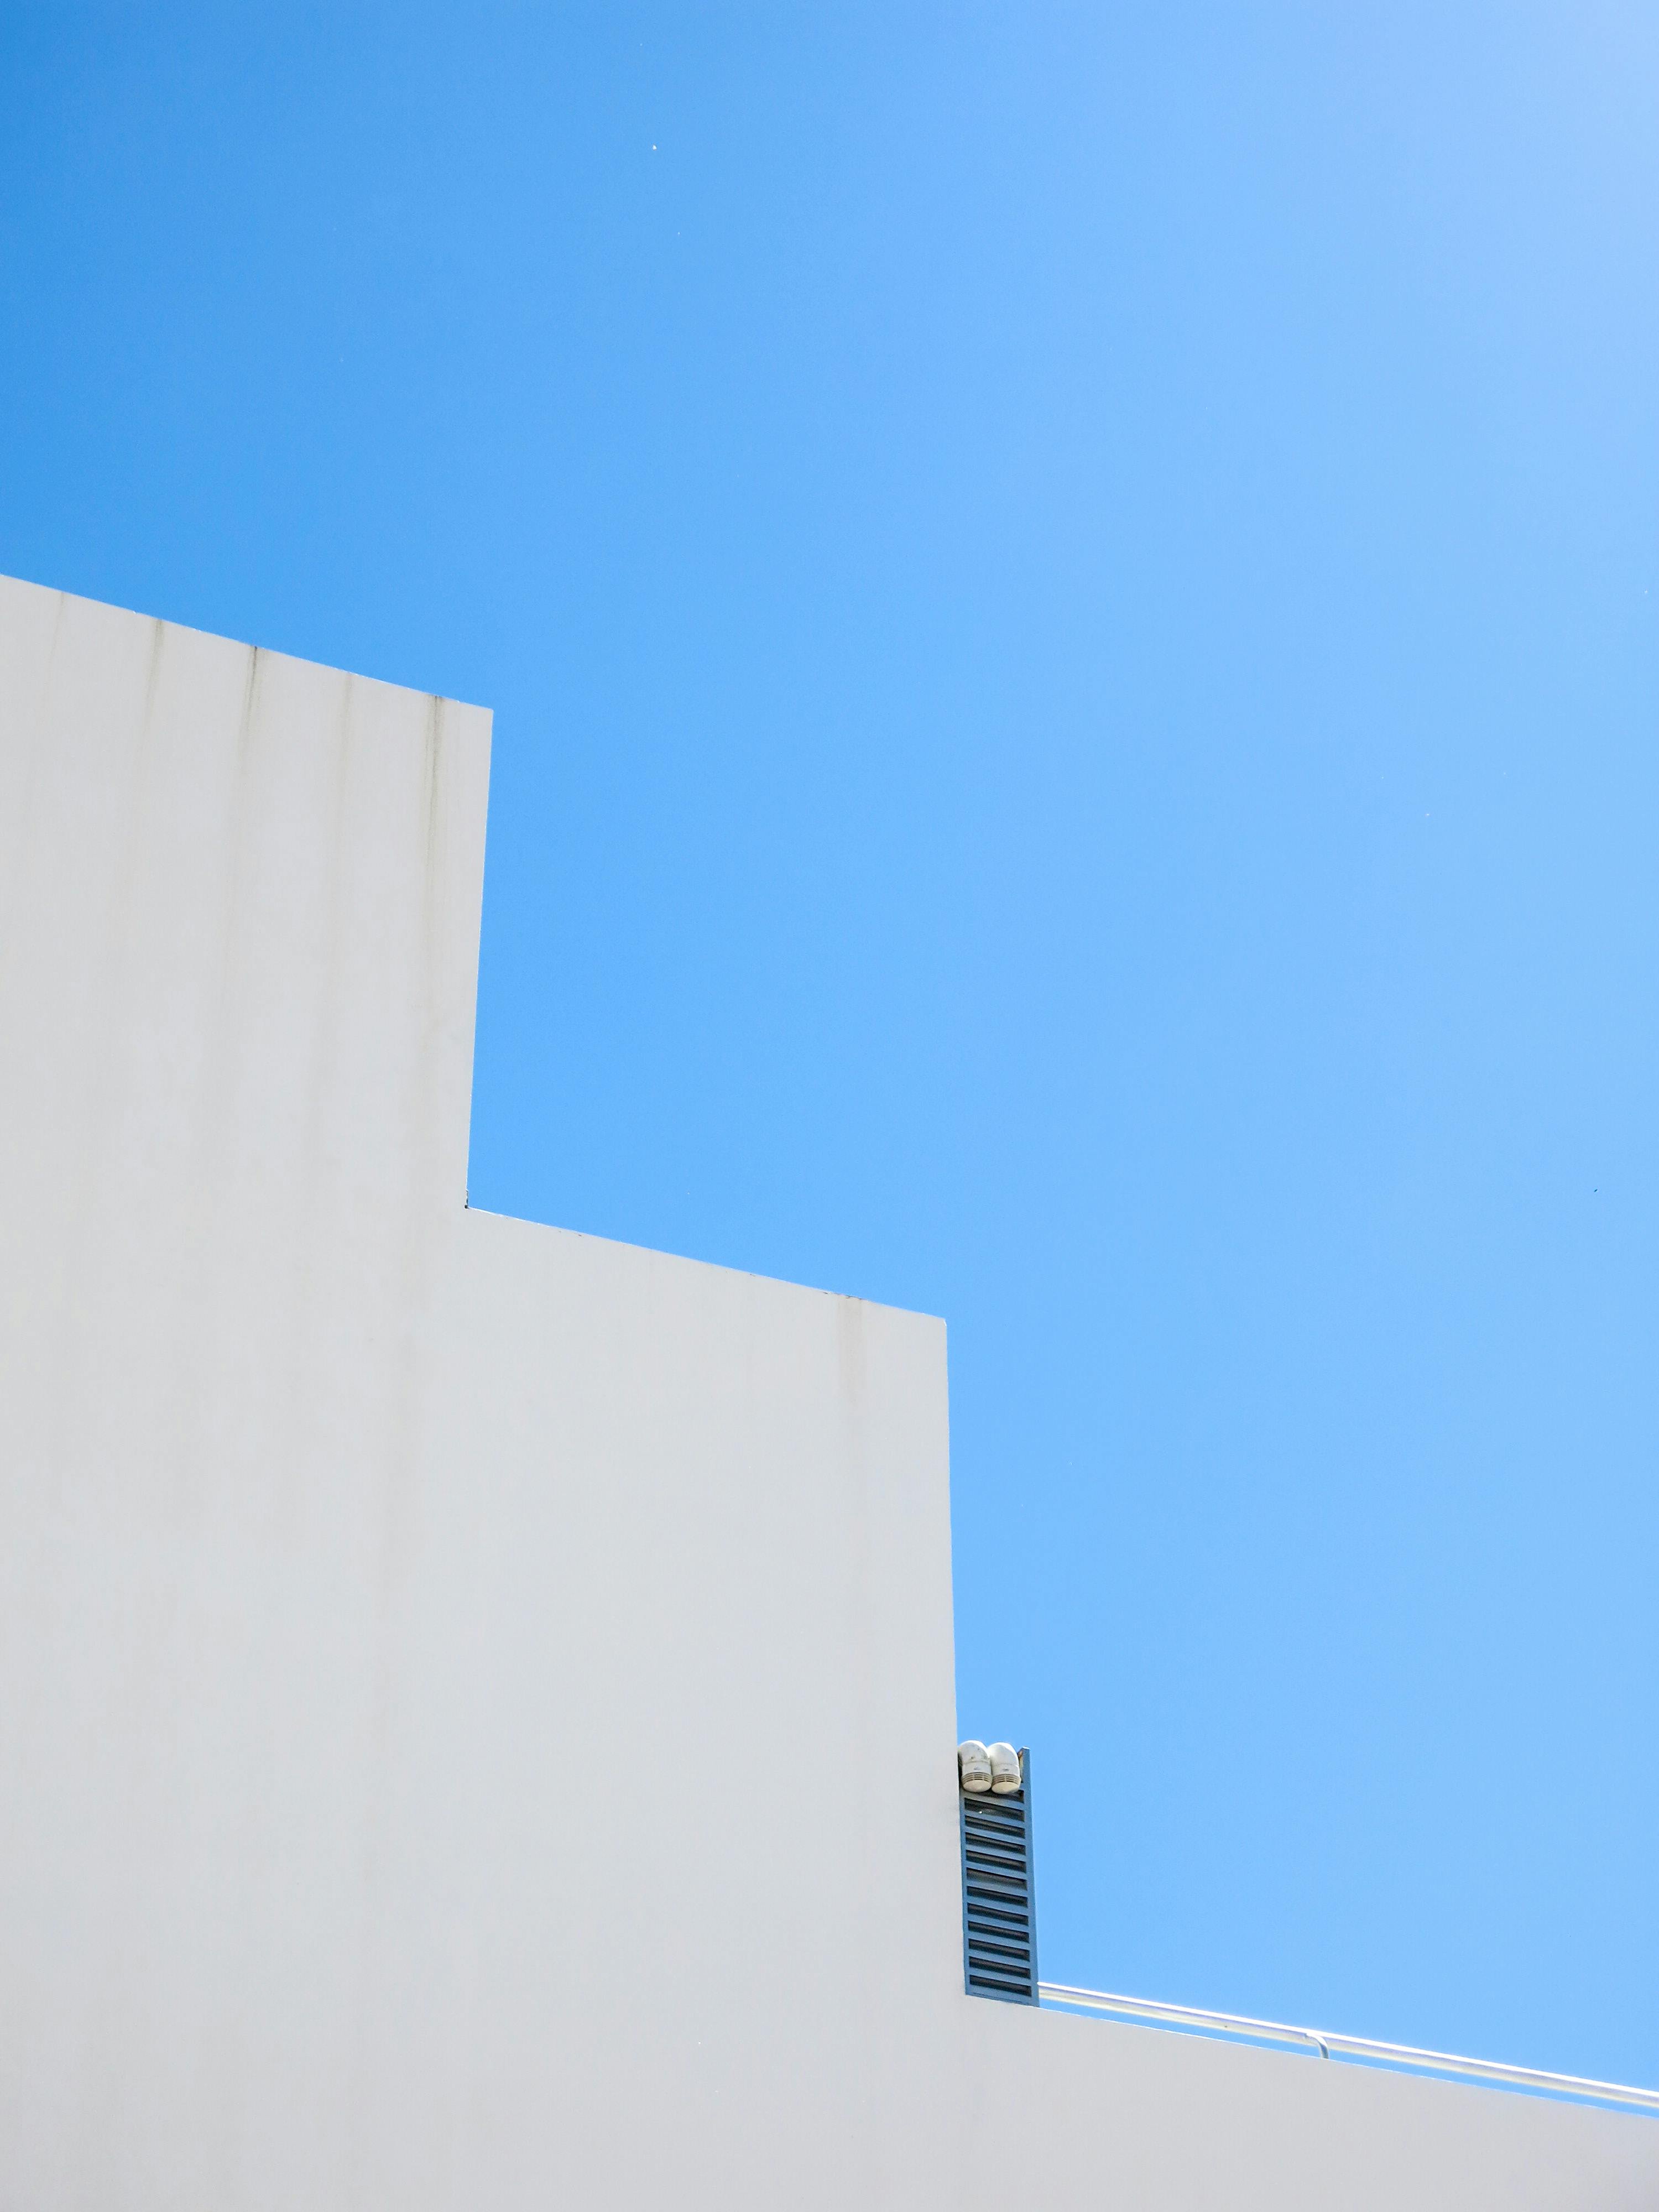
(999, 1893)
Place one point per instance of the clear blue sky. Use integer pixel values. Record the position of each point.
(1070, 598)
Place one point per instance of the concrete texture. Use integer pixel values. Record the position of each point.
(475, 1701)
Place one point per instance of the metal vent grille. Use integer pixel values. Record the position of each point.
(999, 1894)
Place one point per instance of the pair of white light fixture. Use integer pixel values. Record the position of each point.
(995, 1767)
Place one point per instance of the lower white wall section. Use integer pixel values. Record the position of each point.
(475, 1702)
(1103, 2115)
(687, 1620)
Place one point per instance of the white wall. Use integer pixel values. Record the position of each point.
(476, 1708)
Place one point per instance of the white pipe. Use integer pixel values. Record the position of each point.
(1346, 2046)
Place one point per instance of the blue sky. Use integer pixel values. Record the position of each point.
(1069, 596)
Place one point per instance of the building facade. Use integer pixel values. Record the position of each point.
(476, 1713)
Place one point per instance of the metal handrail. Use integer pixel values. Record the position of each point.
(1360, 2047)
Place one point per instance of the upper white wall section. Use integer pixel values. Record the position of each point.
(475, 1701)
(239, 916)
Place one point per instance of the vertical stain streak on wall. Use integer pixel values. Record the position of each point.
(436, 927)
(399, 1514)
(227, 917)
(296, 1486)
(431, 827)
(393, 1472)
(861, 1631)
(108, 991)
(26, 736)
(209, 1157)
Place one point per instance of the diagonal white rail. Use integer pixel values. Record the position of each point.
(1197, 2020)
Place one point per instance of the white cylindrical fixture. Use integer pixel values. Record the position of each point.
(974, 1762)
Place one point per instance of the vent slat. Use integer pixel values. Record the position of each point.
(999, 1903)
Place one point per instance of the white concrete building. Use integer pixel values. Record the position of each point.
(476, 1723)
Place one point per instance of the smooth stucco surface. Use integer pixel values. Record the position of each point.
(475, 1701)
